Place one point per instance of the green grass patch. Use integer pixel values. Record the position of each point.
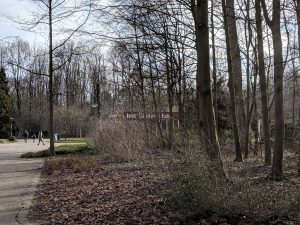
(69, 149)
(72, 140)
(39, 154)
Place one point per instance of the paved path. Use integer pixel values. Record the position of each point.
(18, 180)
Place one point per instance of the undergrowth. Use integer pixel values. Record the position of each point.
(61, 150)
(196, 187)
(73, 164)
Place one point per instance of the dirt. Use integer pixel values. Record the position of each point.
(119, 194)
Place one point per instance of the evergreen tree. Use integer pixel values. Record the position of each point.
(5, 105)
(3, 81)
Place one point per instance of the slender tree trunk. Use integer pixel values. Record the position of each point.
(298, 22)
(52, 151)
(299, 144)
(141, 76)
(169, 84)
(206, 119)
(248, 38)
(214, 71)
(294, 89)
(274, 24)
(263, 84)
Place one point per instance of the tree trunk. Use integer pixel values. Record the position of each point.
(238, 151)
(52, 151)
(237, 74)
(299, 143)
(206, 117)
(214, 70)
(277, 172)
(274, 24)
(263, 84)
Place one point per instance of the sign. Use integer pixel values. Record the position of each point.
(143, 115)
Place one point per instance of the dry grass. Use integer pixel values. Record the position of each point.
(119, 141)
(73, 164)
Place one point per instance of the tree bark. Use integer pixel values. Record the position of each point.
(206, 117)
(238, 150)
(51, 133)
(274, 24)
(237, 74)
(263, 84)
(214, 70)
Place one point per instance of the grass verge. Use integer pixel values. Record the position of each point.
(73, 140)
(83, 149)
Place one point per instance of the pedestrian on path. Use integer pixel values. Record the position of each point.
(40, 137)
(33, 137)
(25, 135)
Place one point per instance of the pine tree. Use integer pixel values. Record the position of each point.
(3, 81)
(5, 105)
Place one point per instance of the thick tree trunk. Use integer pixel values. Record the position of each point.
(237, 74)
(263, 84)
(277, 172)
(204, 98)
(238, 151)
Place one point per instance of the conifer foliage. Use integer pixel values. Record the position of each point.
(5, 106)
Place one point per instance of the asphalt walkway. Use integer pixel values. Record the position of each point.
(18, 180)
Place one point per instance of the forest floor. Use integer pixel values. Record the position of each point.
(127, 193)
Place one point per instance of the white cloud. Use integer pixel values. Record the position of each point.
(18, 10)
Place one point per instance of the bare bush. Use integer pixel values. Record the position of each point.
(72, 164)
(119, 141)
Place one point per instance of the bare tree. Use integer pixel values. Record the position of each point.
(263, 83)
(51, 14)
(274, 25)
(206, 116)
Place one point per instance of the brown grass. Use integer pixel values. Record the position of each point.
(119, 141)
(72, 164)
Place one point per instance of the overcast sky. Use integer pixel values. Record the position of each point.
(17, 9)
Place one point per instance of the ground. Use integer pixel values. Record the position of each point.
(84, 190)
(19, 178)
(128, 193)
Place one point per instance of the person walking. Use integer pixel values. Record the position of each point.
(25, 135)
(40, 137)
(33, 137)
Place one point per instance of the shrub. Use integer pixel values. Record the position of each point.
(118, 141)
(195, 183)
(196, 187)
(12, 138)
(73, 149)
